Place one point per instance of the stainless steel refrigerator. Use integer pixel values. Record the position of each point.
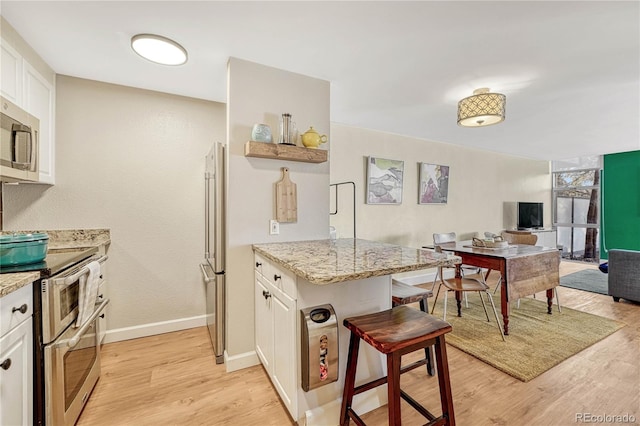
(213, 268)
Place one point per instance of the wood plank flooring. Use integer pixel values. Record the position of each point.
(171, 379)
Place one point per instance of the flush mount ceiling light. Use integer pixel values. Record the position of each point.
(158, 49)
(481, 109)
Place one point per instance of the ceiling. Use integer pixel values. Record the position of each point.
(570, 70)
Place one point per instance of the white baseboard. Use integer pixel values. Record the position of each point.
(329, 414)
(151, 329)
(240, 361)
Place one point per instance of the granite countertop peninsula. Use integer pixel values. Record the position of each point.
(63, 239)
(345, 259)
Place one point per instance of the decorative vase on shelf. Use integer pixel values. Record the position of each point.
(261, 133)
(312, 139)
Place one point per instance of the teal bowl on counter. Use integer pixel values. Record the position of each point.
(23, 249)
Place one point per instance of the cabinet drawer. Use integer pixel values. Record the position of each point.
(259, 263)
(10, 316)
(282, 279)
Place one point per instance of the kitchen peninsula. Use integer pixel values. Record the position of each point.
(352, 275)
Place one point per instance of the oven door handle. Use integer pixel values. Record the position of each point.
(73, 278)
(76, 338)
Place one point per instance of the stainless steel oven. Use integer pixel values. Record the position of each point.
(71, 354)
(72, 368)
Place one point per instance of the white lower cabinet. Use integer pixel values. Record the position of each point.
(264, 324)
(284, 348)
(103, 288)
(16, 362)
(275, 325)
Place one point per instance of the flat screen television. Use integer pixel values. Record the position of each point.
(530, 215)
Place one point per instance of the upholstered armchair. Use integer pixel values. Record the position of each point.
(624, 274)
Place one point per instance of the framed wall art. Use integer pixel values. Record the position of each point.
(434, 184)
(384, 181)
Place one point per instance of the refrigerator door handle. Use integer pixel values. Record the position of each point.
(206, 214)
(205, 276)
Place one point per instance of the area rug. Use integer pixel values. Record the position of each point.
(536, 341)
(588, 279)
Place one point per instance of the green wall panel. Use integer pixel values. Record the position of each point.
(620, 221)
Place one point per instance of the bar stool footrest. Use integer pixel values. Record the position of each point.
(417, 406)
(413, 365)
(354, 416)
(440, 421)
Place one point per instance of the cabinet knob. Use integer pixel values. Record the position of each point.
(22, 309)
(101, 296)
(258, 264)
(266, 294)
(102, 316)
(6, 364)
(100, 276)
(276, 277)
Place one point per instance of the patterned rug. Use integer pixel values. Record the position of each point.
(536, 341)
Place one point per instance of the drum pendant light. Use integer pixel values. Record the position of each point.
(481, 109)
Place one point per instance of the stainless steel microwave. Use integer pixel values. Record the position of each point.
(20, 133)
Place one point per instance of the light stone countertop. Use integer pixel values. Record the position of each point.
(12, 282)
(71, 238)
(333, 261)
(58, 240)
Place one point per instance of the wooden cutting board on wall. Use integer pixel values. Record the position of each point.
(286, 199)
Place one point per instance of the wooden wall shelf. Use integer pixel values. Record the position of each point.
(284, 152)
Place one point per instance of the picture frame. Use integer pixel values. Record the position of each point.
(384, 181)
(433, 187)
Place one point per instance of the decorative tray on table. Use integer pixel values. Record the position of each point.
(496, 243)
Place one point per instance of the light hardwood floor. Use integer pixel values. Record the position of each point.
(171, 379)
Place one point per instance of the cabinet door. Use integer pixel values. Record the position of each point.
(39, 100)
(264, 323)
(16, 379)
(102, 319)
(11, 73)
(285, 353)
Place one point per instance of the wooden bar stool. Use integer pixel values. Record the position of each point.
(396, 332)
(403, 294)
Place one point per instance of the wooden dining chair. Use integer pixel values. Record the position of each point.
(526, 239)
(450, 237)
(465, 285)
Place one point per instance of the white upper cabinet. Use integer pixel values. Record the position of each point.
(11, 83)
(39, 100)
(22, 84)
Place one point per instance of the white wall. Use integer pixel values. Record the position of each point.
(133, 161)
(480, 182)
(260, 94)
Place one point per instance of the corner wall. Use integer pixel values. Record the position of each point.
(260, 94)
(480, 184)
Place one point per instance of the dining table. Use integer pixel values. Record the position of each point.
(524, 270)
